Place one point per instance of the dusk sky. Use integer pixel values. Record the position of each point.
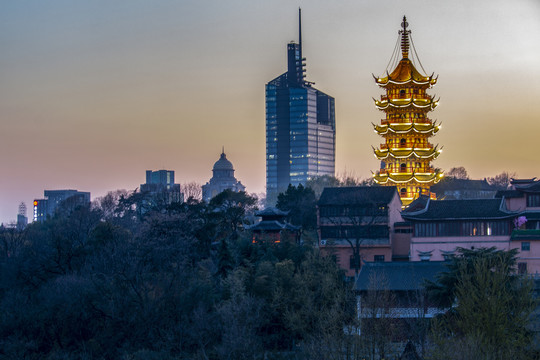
(93, 93)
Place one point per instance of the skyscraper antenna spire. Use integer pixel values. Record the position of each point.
(300, 31)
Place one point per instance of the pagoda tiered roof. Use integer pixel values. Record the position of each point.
(384, 177)
(403, 128)
(404, 153)
(417, 102)
(405, 73)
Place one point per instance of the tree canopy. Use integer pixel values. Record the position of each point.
(490, 306)
(180, 281)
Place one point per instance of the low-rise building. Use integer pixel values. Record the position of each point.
(273, 228)
(356, 224)
(511, 220)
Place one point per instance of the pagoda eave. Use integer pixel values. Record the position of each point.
(400, 178)
(419, 104)
(383, 155)
(401, 128)
(384, 82)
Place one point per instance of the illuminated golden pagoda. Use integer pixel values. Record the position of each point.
(406, 153)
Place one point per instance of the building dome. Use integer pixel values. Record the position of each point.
(222, 179)
(223, 163)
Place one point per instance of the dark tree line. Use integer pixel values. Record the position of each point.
(118, 280)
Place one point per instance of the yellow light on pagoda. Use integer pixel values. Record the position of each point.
(406, 98)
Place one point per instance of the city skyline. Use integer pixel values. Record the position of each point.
(93, 94)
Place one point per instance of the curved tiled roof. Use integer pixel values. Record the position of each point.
(399, 275)
(271, 211)
(273, 225)
(357, 195)
(404, 73)
(471, 209)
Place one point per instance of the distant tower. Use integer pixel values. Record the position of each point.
(22, 220)
(406, 153)
(300, 127)
(22, 209)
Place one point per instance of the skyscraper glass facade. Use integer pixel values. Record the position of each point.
(300, 128)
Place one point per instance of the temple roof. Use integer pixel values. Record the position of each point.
(398, 153)
(404, 73)
(399, 178)
(271, 211)
(526, 185)
(272, 225)
(453, 184)
(356, 195)
(404, 128)
(399, 276)
(473, 209)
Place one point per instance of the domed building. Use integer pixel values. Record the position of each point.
(222, 179)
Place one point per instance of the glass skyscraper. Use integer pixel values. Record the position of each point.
(300, 127)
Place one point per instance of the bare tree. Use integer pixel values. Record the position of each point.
(360, 225)
(192, 190)
(107, 204)
(502, 180)
(458, 173)
(377, 317)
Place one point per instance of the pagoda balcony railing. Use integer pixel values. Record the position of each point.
(405, 121)
(407, 145)
(406, 96)
(407, 170)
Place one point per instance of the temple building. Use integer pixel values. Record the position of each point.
(406, 153)
(222, 179)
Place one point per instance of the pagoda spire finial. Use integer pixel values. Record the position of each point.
(405, 38)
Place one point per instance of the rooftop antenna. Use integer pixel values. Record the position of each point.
(300, 31)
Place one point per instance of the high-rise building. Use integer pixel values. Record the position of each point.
(160, 188)
(300, 127)
(222, 179)
(22, 220)
(407, 153)
(54, 198)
